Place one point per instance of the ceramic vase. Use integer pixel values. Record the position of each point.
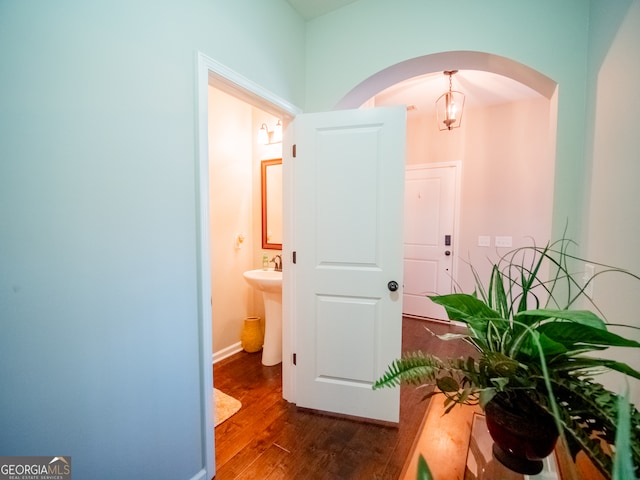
(252, 336)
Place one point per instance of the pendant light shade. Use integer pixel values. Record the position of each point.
(449, 106)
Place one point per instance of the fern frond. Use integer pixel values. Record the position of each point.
(413, 368)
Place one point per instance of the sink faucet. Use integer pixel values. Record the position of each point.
(277, 260)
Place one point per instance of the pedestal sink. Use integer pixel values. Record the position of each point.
(269, 282)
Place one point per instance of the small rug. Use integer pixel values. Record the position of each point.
(225, 406)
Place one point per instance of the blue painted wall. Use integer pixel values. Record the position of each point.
(98, 263)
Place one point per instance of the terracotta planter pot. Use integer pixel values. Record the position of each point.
(522, 432)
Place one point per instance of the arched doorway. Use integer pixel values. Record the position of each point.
(506, 147)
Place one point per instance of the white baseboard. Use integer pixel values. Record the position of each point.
(201, 475)
(226, 352)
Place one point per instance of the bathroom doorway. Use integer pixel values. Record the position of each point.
(213, 74)
(236, 154)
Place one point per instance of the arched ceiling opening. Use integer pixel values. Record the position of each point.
(484, 77)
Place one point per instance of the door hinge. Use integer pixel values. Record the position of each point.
(294, 150)
(294, 257)
(295, 359)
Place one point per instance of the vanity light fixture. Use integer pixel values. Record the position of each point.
(263, 134)
(449, 106)
(277, 133)
(267, 137)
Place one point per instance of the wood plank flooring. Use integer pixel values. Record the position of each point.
(270, 438)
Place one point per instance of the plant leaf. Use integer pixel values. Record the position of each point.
(423, 470)
(583, 317)
(447, 384)
(486, 394)
(591, 363)
(571, 333)
(452, 336)
(622, 459)
(461, 306)
(500, 382)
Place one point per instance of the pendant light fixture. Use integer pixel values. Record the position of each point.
(449, 106)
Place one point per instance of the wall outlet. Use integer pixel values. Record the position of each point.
(504, 241)
(484, 241)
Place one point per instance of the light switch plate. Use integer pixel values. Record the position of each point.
(504, 241)
(484, 241)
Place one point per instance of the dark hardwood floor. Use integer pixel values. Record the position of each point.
(270, 438)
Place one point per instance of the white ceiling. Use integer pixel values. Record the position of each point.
(481, 88)
(310, 9)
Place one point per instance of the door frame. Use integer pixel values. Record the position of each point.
(211, 72)
(457, 165)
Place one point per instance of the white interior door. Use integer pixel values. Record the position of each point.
(348, 190)
(430, 198)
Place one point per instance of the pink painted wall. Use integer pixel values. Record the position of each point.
(507, 164)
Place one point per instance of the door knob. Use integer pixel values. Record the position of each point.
(447, 253)
(392, 286)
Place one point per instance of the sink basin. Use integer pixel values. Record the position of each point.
(264, 280)
(269, 282)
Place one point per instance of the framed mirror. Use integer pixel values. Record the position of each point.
(271, 176)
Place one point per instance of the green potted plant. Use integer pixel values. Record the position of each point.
(531, 362)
